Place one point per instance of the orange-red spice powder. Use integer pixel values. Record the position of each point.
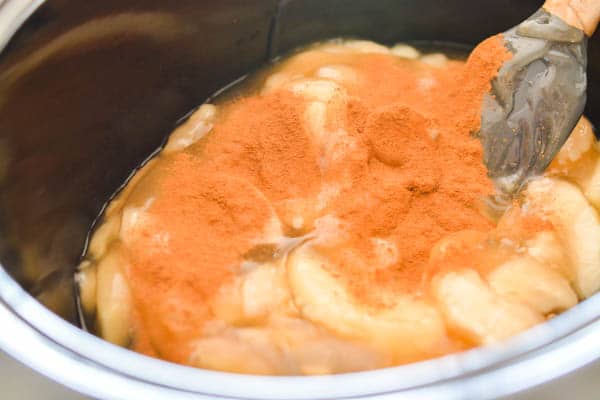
(416, 176)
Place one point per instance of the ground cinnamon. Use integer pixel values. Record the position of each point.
(201, 223)
(412, 175)
(425, 177)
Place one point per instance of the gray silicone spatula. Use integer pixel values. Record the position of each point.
(539, 95)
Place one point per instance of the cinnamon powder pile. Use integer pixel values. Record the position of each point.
(410, 173)
(424, 178)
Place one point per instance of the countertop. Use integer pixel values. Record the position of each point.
(18, 382)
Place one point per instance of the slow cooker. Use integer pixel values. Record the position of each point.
(88, 90)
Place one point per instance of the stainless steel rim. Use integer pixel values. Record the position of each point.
(92, 366)
(12, 15)
(83, 362)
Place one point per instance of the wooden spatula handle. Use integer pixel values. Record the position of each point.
(582, 14)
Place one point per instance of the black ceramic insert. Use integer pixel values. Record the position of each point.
(89, 89)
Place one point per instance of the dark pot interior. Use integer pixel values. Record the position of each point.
(88, 90)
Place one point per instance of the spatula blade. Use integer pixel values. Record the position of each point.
(536, 99)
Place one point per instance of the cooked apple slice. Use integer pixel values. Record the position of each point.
(255, 295)
(437, 60)
(195, 128)
(579, 143)
(230, 354)
(86, 281)
(579, 161)
(103, 236)
(473, 309)
(405, 51)
(311, 350)
(325, 107)
(354, 46)
(322, 90)
(342, 74)
(586, 174)
(577, 225)
(113, 299)
(546, 248)
(133, 219)
(408, 329)
(525, 280)
(591, 183)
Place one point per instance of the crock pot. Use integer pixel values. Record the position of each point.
(88, 90)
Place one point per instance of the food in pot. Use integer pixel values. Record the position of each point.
(333, 215)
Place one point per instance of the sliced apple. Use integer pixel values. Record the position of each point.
(405, 51)
(87, 285)
(339, 73)
(580, 142)
(255, 295)
(437, 60)
(230, 354)
(114, 306)
(546, 248)
(577, 224)
(579, 161)
(473, 309)
(354, 46)
(103, 236)
(318, 89)
(408, 329)
(195, 128)
(586, 174)
(591, 183)
(527, 281)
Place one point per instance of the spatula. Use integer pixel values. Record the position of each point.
(539, 95)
